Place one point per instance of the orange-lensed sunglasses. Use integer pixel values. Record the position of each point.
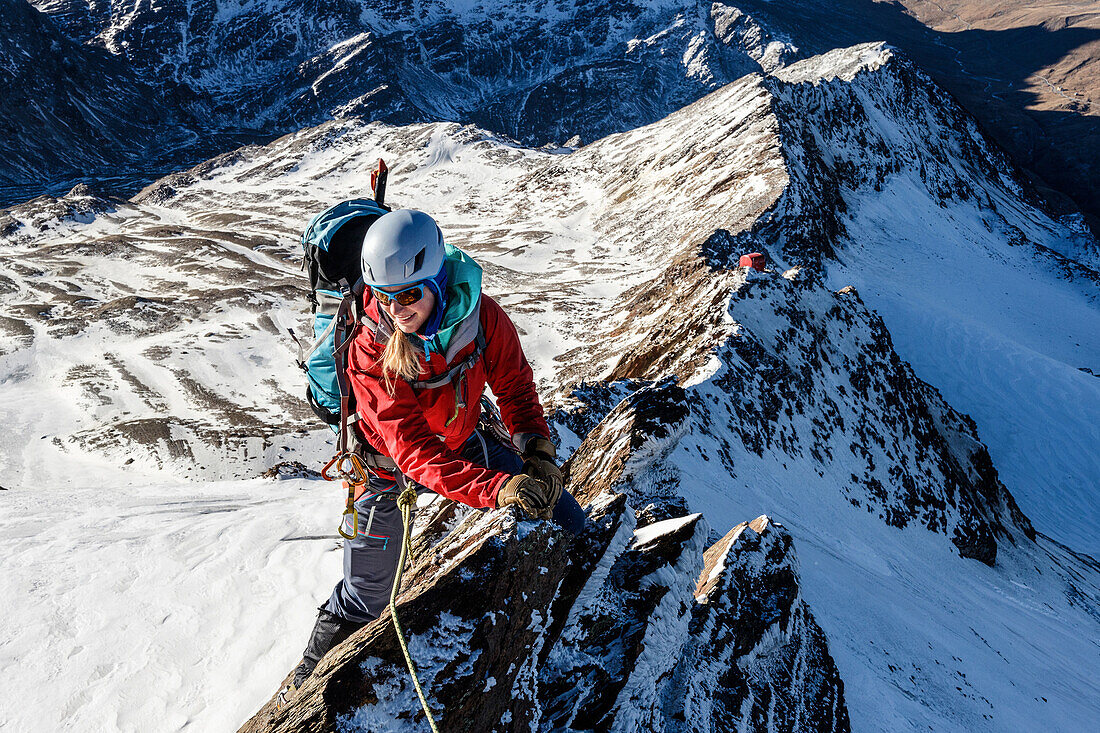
(406, 297)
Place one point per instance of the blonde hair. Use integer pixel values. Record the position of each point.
(399, 360)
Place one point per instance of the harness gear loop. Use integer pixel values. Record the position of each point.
(406, 501)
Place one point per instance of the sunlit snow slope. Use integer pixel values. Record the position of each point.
(993, 302)
(157, 608)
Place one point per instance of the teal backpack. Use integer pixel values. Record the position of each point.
(332, 244)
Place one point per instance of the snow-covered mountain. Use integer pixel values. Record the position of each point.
(68, 109)
(931, 223)
(153, 328)
(544, 73)
(1027, 71)
(538, 73)
(550, 70)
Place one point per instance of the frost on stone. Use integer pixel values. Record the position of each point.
(766, 666)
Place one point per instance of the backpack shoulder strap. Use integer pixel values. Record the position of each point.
(349, 316)
(345, 324)
(459, 369)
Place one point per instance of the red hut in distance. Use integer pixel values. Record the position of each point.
(754, 260)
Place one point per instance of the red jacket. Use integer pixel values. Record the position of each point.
(410, 427)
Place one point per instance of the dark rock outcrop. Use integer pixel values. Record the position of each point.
(516, 626)
(69, 111)
(783, 678)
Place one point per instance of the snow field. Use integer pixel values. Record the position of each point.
(148, 608)
(1001, 337)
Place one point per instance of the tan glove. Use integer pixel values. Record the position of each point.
(529, 494)
(538, 462)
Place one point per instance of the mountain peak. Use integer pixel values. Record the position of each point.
(840, 63)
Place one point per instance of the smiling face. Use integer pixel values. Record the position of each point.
(409, 318)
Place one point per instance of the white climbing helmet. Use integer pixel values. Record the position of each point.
(400, 248)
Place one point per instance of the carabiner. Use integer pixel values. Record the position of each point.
(352, 469)
(349, 508)
(354, 524)
(354, 474)
(348, 467)
(330, 464)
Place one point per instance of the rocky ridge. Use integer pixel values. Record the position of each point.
(843, 148)
(808, 378)
(622, 628)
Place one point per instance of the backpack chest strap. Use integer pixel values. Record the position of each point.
(383, 330)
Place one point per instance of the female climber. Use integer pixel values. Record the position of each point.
(427, 344)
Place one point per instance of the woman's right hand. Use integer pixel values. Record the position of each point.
(530, 494)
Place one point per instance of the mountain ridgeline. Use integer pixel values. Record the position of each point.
(538, 74)
(778, 346)
(227, 72)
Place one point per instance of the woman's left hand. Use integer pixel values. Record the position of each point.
(527, 492)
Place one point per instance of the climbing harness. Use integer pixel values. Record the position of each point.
(406, 501)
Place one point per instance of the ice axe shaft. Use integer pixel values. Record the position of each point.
(378, 178)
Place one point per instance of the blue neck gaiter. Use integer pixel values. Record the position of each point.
(438, 286)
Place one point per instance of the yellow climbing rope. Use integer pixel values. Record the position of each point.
(406, 501)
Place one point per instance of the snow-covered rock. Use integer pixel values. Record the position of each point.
(808, 379)
(618, 629)
(905, 198)
(538, 72)
(760, 661)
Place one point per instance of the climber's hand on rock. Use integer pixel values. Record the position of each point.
(526, 492)
(538, 462)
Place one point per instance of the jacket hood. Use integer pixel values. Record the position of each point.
(463, 297)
